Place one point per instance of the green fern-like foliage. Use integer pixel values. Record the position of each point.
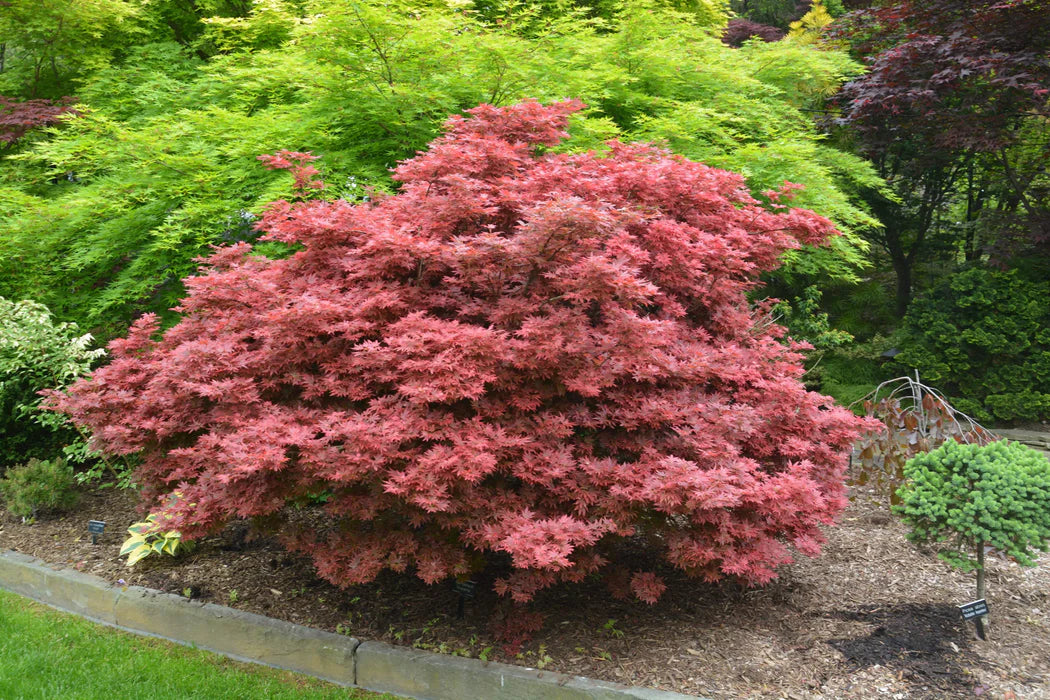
(960, 498)
(101, 217)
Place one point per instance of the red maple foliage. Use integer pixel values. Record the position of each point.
(19, 116)
(950, 74)
(299, 164)
(522, 352)
(739, 30)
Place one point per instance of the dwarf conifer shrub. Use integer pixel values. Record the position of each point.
(984, 335)
(522, 352)
(38, 485)
(961, 498)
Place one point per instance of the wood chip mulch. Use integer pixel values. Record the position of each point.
(872, 617)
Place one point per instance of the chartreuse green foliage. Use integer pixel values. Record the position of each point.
(809, 28)
(541, 16)
(45, 654)
(38, 485)
(36, 353)
(742, 110)
(101, 218)
(50, 46)
(962, 497)
(134, 207)
(984, 336)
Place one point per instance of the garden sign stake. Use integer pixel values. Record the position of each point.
(96, 527)
(976, 611)
(466, 590)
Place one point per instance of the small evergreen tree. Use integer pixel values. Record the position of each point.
(964, 498)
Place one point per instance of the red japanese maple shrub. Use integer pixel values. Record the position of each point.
(522, 352)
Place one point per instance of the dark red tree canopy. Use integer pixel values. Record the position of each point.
(959, 74)
(739, 30)
(522, 352)
(19, 116)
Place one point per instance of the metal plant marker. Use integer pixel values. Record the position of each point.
(976, 611)
(96, 528)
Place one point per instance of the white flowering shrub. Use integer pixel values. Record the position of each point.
(37, 353)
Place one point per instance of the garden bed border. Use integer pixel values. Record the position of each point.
(344, 660)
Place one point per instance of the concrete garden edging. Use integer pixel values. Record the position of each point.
(257, 639)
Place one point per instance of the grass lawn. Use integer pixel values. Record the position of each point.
(54, 656)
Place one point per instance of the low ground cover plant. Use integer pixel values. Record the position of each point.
(523, 355)
(149, 538)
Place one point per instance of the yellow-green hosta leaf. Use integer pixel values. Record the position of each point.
(131, 543)
(138, 554)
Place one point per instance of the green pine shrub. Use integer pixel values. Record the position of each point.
(963, 497)
(984, 336)
(38, 485)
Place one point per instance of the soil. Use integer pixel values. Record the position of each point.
(873, 616)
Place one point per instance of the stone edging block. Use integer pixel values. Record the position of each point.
(419, 674)
(344, 660)
(1034, 439)
(71, 591)
(238, 634)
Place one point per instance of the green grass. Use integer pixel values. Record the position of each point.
(54, 656)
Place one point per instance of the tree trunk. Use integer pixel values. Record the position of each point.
(980, 571)
(902, 267)
(981, 622)
(895, 227)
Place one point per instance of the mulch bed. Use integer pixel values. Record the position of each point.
(872, 617)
